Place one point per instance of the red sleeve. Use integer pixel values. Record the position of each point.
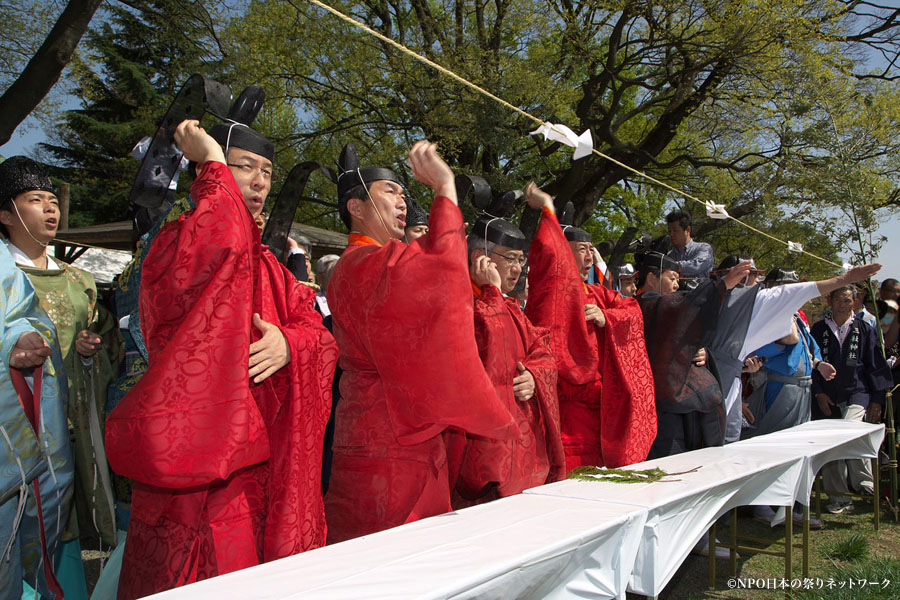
(505, 338)
(191, 419)
(301, 391)
(485, 463)
(499, 343)
(539, 361)
(556, 300)
(628, 406)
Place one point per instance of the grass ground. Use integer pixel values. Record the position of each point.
(847, 550)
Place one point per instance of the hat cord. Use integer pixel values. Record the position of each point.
(375, 208)
(228, 137)
(44, 244)
(486, 227)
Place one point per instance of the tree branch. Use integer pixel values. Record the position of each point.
(43, 71)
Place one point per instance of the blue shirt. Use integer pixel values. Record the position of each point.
(785, 359)
(696, 259)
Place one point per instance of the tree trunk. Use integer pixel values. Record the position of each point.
(44, 69)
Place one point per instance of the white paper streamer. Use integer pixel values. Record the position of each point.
(795, 247)
(583, 144)
(715, 211)
(599, 262)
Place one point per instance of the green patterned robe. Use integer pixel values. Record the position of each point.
(69, 297)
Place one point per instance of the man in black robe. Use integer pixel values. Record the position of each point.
(678, 325)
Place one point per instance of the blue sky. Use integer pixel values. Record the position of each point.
(890, 252)
(25, 143)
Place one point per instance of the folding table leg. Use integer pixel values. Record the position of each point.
(732, 558)
(876, 473)
(818, 487)
(788, 540)
(805, 541)
(712, 556)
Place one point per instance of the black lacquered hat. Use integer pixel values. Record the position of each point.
(20, 174)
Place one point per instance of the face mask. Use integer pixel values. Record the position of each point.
(886, 320)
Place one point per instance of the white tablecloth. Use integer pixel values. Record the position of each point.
(682, 509)
(776, 469)
(820, 442)
(519, 547)
(563, 540)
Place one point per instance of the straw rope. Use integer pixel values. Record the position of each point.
(83, 245)
(514, 108)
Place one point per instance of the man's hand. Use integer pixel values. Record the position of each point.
(593, 313)
(826, 370)
(429, 168)
(752, 364)
(196, 144)
(851, 276)
(748, 414)
(268, 354)
(860, 273)
(825, 404)
(700, 358)
(523, 384)
(873, 413)
(484, 272)
(87, 343)
(737, 274)
(537, 198)
(29, 352)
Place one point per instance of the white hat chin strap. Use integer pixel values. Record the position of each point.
(44, 244)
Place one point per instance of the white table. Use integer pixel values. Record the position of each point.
(525, 546)
(567, 539)
(820, 442)
(682, 509)
(775, 469)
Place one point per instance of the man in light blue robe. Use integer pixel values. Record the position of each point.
(36, 469)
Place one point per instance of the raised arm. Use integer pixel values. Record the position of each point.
(852, 276)
(537, 198)
(196, 144)
(429, 168)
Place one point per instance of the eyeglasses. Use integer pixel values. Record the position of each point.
(251, 171)
(513, 259)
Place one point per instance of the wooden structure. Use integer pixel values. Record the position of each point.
(72, 243)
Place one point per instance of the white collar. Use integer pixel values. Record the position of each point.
(22, 259)
(845, 323)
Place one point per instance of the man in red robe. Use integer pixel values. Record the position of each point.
(605, 384)
(226, 462)
(403, 318)
(517, 358)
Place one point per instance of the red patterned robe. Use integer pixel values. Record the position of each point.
(403, 320)
(494, 469)
(226, 472)
(616, 427)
